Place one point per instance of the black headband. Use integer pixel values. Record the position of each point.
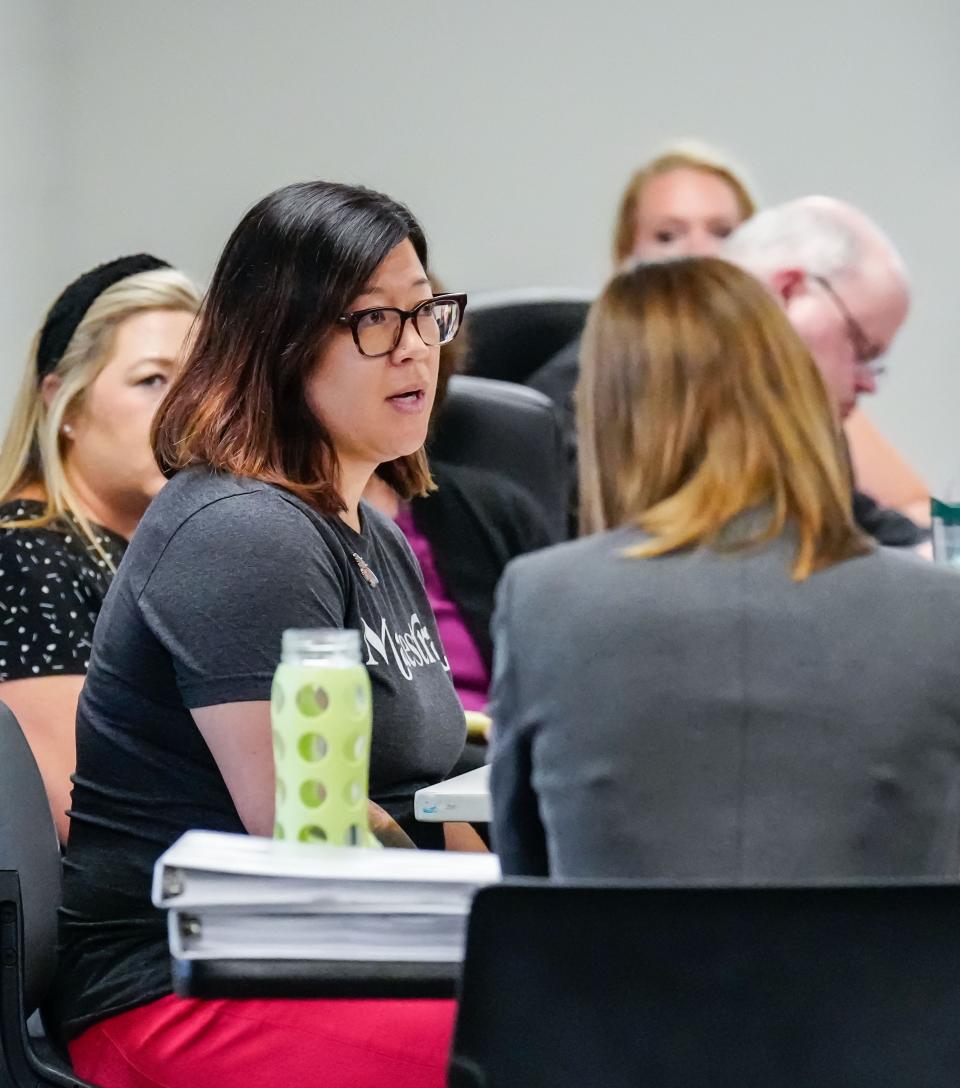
(74, 301)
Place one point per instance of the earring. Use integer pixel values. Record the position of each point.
(66, 429)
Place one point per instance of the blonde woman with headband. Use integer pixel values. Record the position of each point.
(726, 680)
(76, 474)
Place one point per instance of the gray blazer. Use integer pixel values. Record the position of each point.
(703, 716)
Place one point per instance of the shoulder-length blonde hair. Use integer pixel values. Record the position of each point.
(697, 401)
(32, 451)
(684, 156)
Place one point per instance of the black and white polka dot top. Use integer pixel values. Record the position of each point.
(52, 585)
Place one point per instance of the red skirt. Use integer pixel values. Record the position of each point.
(345, 1043)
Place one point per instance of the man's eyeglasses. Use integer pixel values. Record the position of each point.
(377, 331)
(866, 352)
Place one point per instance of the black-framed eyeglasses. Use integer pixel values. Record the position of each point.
(377, 330)
(866, 352)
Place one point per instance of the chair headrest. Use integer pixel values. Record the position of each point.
(509, 429)
(511, 334)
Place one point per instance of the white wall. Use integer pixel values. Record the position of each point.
(509, 127)
(32, 193)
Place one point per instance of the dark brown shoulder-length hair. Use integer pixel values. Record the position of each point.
(291, 267)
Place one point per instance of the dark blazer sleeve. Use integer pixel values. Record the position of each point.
(517, 831)
(557, 378)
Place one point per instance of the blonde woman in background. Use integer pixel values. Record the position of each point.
(725, 679)
(76, 474)
(683, 203)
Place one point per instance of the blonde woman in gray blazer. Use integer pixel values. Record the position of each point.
(726, 679)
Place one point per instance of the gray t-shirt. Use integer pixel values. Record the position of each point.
(216, 571)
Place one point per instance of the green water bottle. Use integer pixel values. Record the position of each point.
(320, 710)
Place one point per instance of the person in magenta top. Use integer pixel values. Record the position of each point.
(463, 535)
(467, 665)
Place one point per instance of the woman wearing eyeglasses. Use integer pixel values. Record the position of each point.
(314, 368)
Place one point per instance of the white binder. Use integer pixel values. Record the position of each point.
(237, 897)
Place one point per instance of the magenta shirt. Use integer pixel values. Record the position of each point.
(467, 667)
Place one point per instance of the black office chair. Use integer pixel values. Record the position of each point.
(510, 334)
(29, 898)
(854, 986)
(508, 429)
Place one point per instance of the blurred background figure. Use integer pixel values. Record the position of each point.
(844, 288)
(683, 203)
(769, 695)
(76, 474)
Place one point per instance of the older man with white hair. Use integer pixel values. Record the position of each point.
(841, 281)
(844, 287)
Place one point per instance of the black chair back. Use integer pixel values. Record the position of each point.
(854, 986)
(508, 429)
(28, 844)
(29, 898)
(511, 334)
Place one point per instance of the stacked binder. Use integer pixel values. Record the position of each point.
(253, 917)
